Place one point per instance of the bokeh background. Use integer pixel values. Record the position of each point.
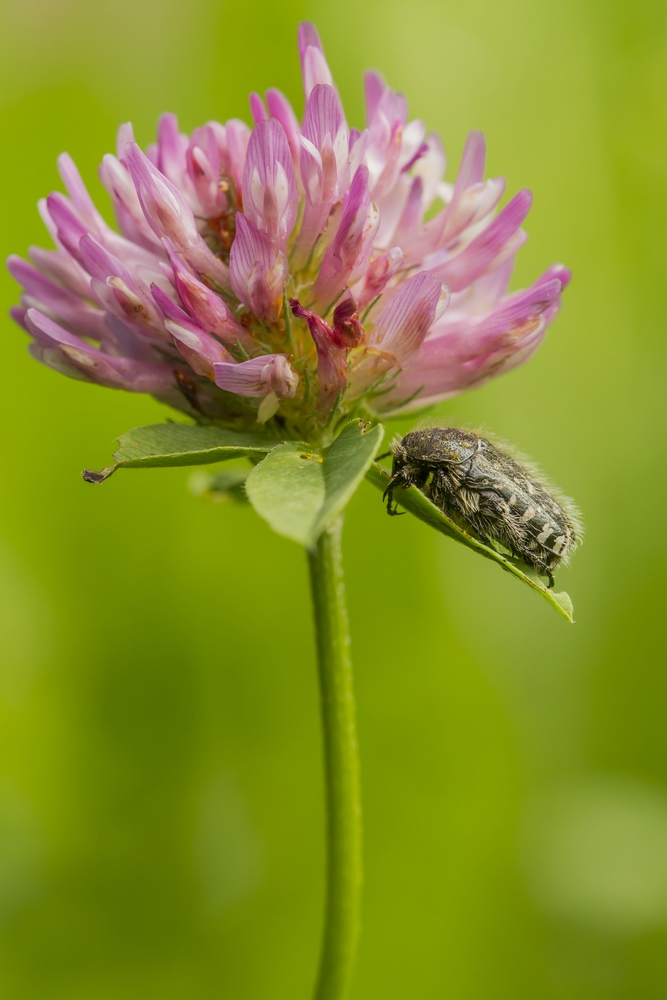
(160, 787)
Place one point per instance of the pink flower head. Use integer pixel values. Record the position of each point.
(286, 269)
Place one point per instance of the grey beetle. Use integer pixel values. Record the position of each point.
(488, 493)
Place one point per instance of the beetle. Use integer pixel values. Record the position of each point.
(488, 493)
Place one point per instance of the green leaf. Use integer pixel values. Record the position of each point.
(414, 501)
(287, 490)
(162, 445)
(299, 491)
(346, 462)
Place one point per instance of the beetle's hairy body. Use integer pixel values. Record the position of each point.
(487, 492)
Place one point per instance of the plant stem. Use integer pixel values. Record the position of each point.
(341, 767)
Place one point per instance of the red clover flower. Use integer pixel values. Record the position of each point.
(291, 272)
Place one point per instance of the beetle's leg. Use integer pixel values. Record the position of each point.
(539, 565)
(403, 478)
(388, 495)
(441, 490)
(543, 568)
(475, 532)
(395, 512)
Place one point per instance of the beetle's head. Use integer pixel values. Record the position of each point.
(399, 454)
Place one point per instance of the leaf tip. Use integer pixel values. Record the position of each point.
(564, 602)
(90, 476)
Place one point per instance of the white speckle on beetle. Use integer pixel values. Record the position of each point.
(558, 544)
(545, 534)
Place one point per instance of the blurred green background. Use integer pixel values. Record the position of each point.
(160, 786)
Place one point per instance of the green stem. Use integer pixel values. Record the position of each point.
(341, 766)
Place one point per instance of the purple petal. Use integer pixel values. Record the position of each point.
(350, 247)
(258, 377)
(61, 268)
(466, 351)
(324, 166)
(448, 366)
(460, 271)
(163, 204)
(128, 341)
(379, 272)
(64, 306)
(116, 179)
(171, 147)
(471, 207)
(203, 170)
(115, 286)
(237, 135)
(257, 271)
(169, 215)
(331, 356)
(374, 87)
(257, 109)
(347, 327)
(171, 310)
(485, 293)
(431, 167)
(324, 116)
(54, 358)
(18, 314)
(93, 364)
(564, 275)
(412, 213)
(385, 143)
(472, 198)
(101, 264)
(77, 191)
(70, 221)
(420, 152)
(473, 161)
(311, 171)
(402, 326)
(201, 351)
(45, 216)
(519, 309)
(69, 227)
(317, 207)
(269, 182)
(314, 68)
(281, 109)
(206, 307)
(124, 136)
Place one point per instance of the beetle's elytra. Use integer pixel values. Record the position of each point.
(488, 493)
